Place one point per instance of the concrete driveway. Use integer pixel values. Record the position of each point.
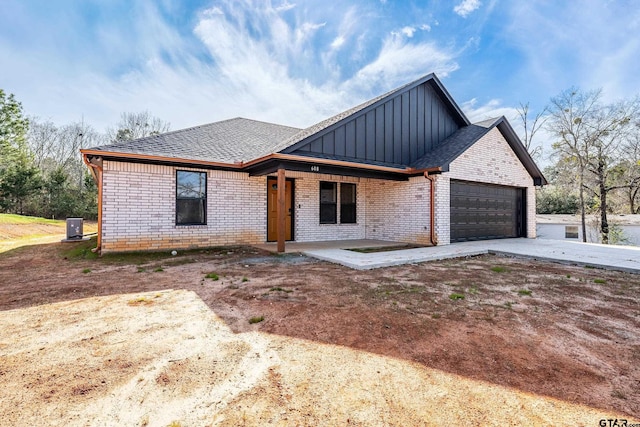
(621, 258)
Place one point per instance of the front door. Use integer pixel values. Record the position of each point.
(272, 205)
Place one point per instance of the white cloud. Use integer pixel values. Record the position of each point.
(408, 31)
(491, 109)
(425, 27)
(399, 62)
(337, 42)
(466, 7)
(285, 6)
(241, 59)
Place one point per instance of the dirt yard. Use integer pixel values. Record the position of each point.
(149, 339)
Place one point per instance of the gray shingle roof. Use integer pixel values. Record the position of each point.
(451, 148)
(227, 141)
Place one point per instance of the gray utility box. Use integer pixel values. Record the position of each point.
(74, 228)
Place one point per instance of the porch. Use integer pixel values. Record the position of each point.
(303, 247)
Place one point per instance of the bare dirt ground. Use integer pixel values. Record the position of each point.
(483, 341)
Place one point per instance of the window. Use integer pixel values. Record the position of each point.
(347, 203)
(328, 203)
(191, 198)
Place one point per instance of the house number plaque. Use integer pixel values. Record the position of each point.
(315, 168)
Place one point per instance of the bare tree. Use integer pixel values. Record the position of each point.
(592, 135)
(56, 147)
(608, 131)
(531, 128)
(137, 125)
(629, 168)
(568, 113)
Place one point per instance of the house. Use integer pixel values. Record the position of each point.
(405, 166)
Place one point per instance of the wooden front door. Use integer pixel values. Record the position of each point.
(272, 205)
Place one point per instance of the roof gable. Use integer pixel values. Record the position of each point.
(396, 128)
(465, 137)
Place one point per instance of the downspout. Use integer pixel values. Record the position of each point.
(95, 166)
(432, 211)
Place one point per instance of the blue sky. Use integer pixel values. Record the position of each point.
(297, 62)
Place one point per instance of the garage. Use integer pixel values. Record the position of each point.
(486, 211)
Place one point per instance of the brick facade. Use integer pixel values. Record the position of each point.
(139, 209)
(139, 203)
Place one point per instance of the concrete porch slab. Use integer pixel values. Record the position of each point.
(294, 247)
(621, 258)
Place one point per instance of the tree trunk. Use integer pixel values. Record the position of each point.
(582, 213)
(632, 200)
(604, 225)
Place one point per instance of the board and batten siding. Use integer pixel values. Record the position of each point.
(399, 131)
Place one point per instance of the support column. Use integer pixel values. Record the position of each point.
(280, 209)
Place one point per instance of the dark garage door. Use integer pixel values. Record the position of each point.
(486, 211)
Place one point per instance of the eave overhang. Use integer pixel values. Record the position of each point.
(270, 164)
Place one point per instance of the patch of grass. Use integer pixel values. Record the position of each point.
(436, 316)
(279, 289)
(212, 276)
(455, 296)
(568, 276)
(473, 290)
(524, 292)
(81, 250)
(245, 279)
(86, 270)
(590, 266)
(256, 319)
(158, 270)
(141, 269)
(599, 281)
(508, 304)
(22, 219)
(499, 269)
(175, 424)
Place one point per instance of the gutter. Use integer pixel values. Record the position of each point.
(429, 174)
(95, 166)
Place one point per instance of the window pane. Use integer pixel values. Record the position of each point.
(327, 192)
(191, 184)
(327, 213)
(328, 199)
(347, 193)
(190, 211)
(348, 214)
(347, 203)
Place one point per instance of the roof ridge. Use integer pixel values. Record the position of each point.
(490, 122)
